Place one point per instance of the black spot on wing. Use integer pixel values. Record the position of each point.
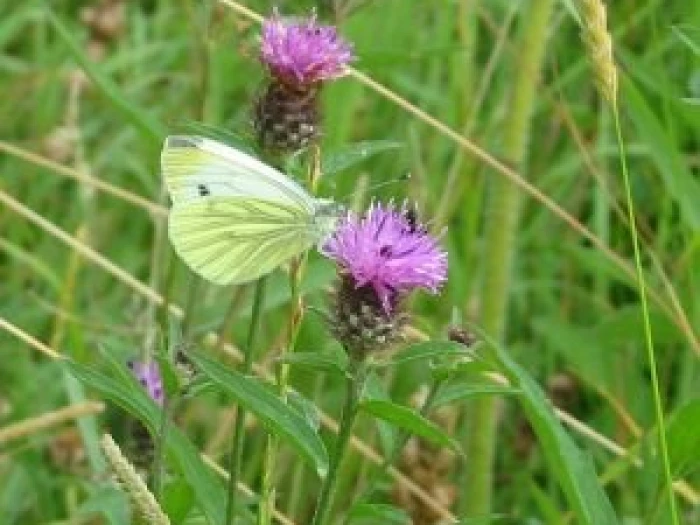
(203, 190)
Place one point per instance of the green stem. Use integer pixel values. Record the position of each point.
(159, 445)
(239, 430)
(501, 228)
(267, 493)
(658, 408)
(357, 376)
(297, 492)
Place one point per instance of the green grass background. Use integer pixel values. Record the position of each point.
(570, 310)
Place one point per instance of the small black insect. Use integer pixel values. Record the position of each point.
(411, 216)
(203, 190)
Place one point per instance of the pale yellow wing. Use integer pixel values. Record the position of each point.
(197, 167)
(232, 240)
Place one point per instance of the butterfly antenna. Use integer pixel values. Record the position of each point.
(378, 185)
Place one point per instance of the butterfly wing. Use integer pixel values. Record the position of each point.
(234, 240)
(233, 218)
(197, 167)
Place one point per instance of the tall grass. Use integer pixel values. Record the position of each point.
(480, 95)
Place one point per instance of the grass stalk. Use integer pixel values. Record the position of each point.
(34, 425)
(599, 45)
(237, 439)
(649, 342)
(501, 228)
(131, 483)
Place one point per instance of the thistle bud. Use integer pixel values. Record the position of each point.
(300, 56)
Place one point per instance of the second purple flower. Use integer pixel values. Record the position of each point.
(382, 256)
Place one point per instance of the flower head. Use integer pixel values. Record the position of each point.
(303, 52)
(148, 374)
(388, 251)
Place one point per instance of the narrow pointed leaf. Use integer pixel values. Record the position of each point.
(272, 412)
(574, 469)
(428, 350)
(408, 419)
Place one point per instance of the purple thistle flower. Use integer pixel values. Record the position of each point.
(300, 53)
(148, 374)
(388, 251)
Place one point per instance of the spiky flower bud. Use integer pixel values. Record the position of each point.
(382, 256)
(360, 322)
(287, 118)
(600, 48)
(300, 56)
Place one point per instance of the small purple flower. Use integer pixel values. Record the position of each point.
(303, 52)
(148, 374)
(389, 251)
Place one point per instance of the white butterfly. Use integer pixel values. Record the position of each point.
(234, 218)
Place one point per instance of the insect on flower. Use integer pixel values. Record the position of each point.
(382, 256)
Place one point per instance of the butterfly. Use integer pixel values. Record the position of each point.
(233, 218)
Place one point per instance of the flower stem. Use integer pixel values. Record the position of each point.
(267, 493)
(355, 383)
(239, 430)
(159, 445)
(658, 408)
(501, 228)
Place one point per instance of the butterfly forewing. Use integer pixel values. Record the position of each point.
(196, 167)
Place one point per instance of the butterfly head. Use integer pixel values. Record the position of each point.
(328, 213)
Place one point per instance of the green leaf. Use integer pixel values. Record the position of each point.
(573, 468)
(306, 408)
(372, 513)
(427, 350)
(274, 414)
(178, 499)
(459, 391)
(139, 117)
(375, 389)
(348, 156)
(326, 362)
(683, 437)
(125, 392)
(408, 419)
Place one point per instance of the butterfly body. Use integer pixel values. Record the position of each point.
(233, 218)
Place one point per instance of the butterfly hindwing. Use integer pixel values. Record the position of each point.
(230, 240)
